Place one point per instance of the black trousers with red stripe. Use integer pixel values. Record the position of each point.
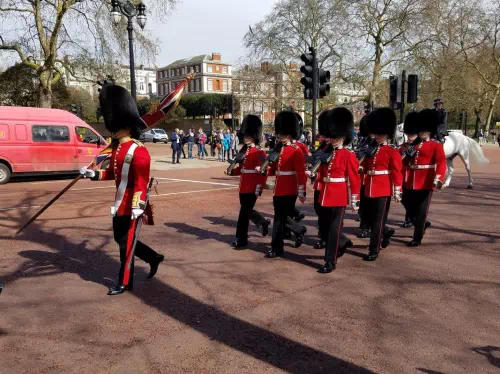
(332, 222)
(247, 214)
(417, 203)
(376, 211)
(320, 211)
(121, 226)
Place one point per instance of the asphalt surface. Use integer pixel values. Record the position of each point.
(210, 309)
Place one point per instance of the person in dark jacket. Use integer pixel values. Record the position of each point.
(442, 130)
(190, 142)
(176, 146)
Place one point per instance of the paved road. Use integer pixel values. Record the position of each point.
(214, 310)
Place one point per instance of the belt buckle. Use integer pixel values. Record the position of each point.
(113, 211)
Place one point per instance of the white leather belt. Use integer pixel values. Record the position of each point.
(418, 167)
(248, 171)
(333, 180)
(120, 192)
(378, 172)
(285, 173)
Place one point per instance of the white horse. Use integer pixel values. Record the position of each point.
(456, 144)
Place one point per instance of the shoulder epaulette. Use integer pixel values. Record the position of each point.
(349, 149)
(436, 141)
(295, 146)
(393, 146)
(138, 142)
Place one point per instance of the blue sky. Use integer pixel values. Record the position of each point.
(199, 26)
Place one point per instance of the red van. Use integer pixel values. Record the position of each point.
(37, 141)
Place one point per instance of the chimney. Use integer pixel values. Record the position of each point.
(216, 57)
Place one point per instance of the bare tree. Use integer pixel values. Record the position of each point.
(44, 33)
(479, 41)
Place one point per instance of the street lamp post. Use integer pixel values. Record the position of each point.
(129, 10)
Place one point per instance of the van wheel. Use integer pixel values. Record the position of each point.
(154, 140)
(4, 173)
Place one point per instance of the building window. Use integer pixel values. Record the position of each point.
(160, 74)
(172, 73)
(197, 85)
(224, 86)
(190, 69)
(172, 86)
(197, 68)
(191, 86)
(165, 74)
(141, 86)
(161, 89)
(210, 85)
(217, 67)
(183, 71)
(209, 68)
(224, 69)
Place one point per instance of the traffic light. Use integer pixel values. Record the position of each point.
(393, 89)
(412, 88)
(309, 70)
(324, 87)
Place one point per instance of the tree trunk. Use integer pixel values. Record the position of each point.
(490, 110)
(376, 75)
(478, 123)
(45, 90)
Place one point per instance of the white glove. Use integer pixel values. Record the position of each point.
(136, 213)
(87, 173)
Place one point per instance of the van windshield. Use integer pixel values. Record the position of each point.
(160, 131)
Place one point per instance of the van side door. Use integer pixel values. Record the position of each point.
(52, 149)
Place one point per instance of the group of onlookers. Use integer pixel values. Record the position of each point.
(223, 142)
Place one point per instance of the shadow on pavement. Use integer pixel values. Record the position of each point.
(93, 264)
(488, 352)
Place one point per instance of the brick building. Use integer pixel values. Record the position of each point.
(212, 75)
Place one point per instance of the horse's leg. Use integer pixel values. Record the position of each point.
(449, 164)
(466, 161)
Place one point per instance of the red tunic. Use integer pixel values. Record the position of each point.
(340, 177)
(251, 181)
(302, 147)
(428, 165)
(382, 172)
(289, 170)
(402, 149)
(138, 176)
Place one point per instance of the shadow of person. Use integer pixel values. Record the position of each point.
(491, 353)
(427, 371)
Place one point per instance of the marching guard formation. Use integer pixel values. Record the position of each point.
(366, 178)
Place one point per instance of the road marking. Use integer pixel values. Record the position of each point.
(163, 194)
(201, 182)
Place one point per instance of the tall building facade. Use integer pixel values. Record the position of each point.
(212, 75)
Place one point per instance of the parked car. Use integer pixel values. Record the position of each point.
(154, 135)
(35, 141)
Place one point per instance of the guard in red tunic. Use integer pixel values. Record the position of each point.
(129, 167)
(290, 178)
(426, 172)
(364, 144)
(341, 184)
(382, 178)
(407, 149)
(251, 181)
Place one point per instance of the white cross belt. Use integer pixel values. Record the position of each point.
(378, 172)
(419, 167)
(333, 180)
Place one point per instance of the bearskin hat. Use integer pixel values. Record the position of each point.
(286, 123)
(428, 120)
(382, 121)
(339, 124)
(411, 123)
(252, 126)
(119, 109)
(363, 127)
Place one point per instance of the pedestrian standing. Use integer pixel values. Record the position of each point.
(251, 181)
(382, 178)
(227, 145)
(234, 144)
(220, 146)
(309, 138)
(190, 143)
(290, 178)
(426, 172)
(202, 139)
(176, 146)
(183, 142)
(129, 167)
(341, 184)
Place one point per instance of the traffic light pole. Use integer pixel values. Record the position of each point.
(402, 108)
(315, 94)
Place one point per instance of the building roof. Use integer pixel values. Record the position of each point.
(193, 61)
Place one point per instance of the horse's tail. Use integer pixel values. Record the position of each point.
(477, 152)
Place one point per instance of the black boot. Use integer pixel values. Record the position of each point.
(265, 227)
(406, 224)
(363, 234)
(273, 254)
(154, 265)
(344, 248)
(427, 225)
(1, 288)
(328, 267)
(239, 243)
(320, 245)
(118, 290)
(300, 217)
(414, 243)
(387, 238)
(372, 256)
(299, 238)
